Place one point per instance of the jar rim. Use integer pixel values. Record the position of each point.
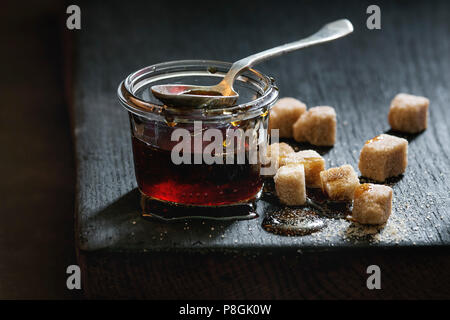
(131, 102)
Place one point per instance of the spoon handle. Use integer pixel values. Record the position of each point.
(328, 32)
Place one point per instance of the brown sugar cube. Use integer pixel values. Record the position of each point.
(372, 204)
(311, 160)
(277, 150)
(383, 156)
(290, 185)
(284, 114)
(339, 183)
(408, 113)
(317, 126)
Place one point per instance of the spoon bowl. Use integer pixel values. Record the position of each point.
(181, 95)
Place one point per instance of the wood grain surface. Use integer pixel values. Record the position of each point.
(357, 75)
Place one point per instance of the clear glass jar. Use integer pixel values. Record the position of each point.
(157, 131)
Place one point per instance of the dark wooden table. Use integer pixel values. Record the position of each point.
(124, 256)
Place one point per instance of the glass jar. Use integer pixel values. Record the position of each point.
(197, 157)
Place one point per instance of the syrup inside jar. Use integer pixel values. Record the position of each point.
(191, 179)
(198, 156)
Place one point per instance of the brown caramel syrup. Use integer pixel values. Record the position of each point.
(304, 220)
(193, 184)
(362, 189)
(204, 93)
(377, 138)
(293, 222)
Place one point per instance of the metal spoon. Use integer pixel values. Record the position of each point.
(223, 94)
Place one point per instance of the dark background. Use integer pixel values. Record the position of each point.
(38, 174)
(38, 170)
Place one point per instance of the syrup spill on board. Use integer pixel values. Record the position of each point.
(302, 220)
(327, 208)
(293, 222)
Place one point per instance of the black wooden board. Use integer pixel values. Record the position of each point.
(357, 75)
